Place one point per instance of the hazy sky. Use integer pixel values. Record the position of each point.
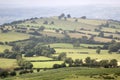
(39, 3)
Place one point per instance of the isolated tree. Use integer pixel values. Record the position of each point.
(98, 50)
(68, 16)
(38, 69)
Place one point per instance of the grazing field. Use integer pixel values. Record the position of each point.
(8, 63)
(52, 34)
(80, 54)
(48, 64)
(76, 73)
(13, 36)
(37, 58)
(3, 47)
(64, 24)
(67, 45)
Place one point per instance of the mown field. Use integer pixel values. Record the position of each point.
(13, 36)
(76, 73)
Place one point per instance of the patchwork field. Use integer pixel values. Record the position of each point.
(8, 63)
(13, 36)
(75, 73)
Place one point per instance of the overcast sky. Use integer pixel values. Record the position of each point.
(39, 3)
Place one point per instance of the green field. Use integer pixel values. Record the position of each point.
(67, 45)
(3, 47)
(8, 63)
(13, 36)
(77, 73)
(48, 64)
(37, 58)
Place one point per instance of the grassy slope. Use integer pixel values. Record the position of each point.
(13, 36)
(67, 74)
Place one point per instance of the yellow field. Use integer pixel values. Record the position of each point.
(8, 63)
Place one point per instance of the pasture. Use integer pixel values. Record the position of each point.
(13, 36)
(8, 63)
(37, 58)
(48, 64)
(73, 73)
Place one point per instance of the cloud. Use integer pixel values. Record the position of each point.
(37, 3)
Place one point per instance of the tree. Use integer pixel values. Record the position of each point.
(41, 28)
(113, 63)
(104, 63)
(101, 34)
(88, 61)
(68, 16)
(62, 56)
(114, 47)
(38, 69)
(13, 73)
(83, 17)
(55, 66)
(3, 73)
(98, 50)
(69, 61)
(6, 51)
(78, 62)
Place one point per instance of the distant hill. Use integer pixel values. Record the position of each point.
(96, 12)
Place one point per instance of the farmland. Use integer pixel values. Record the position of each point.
(39, 43)
(12, 36)
(3, 47)
(8, 63)
(69, 74)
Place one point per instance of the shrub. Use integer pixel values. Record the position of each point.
(13, 73)
(3, 73)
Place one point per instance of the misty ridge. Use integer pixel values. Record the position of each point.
(94, 12)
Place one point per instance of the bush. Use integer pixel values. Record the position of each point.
(3, 73)
(13, 73)
(55, 66)
(38, 69)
